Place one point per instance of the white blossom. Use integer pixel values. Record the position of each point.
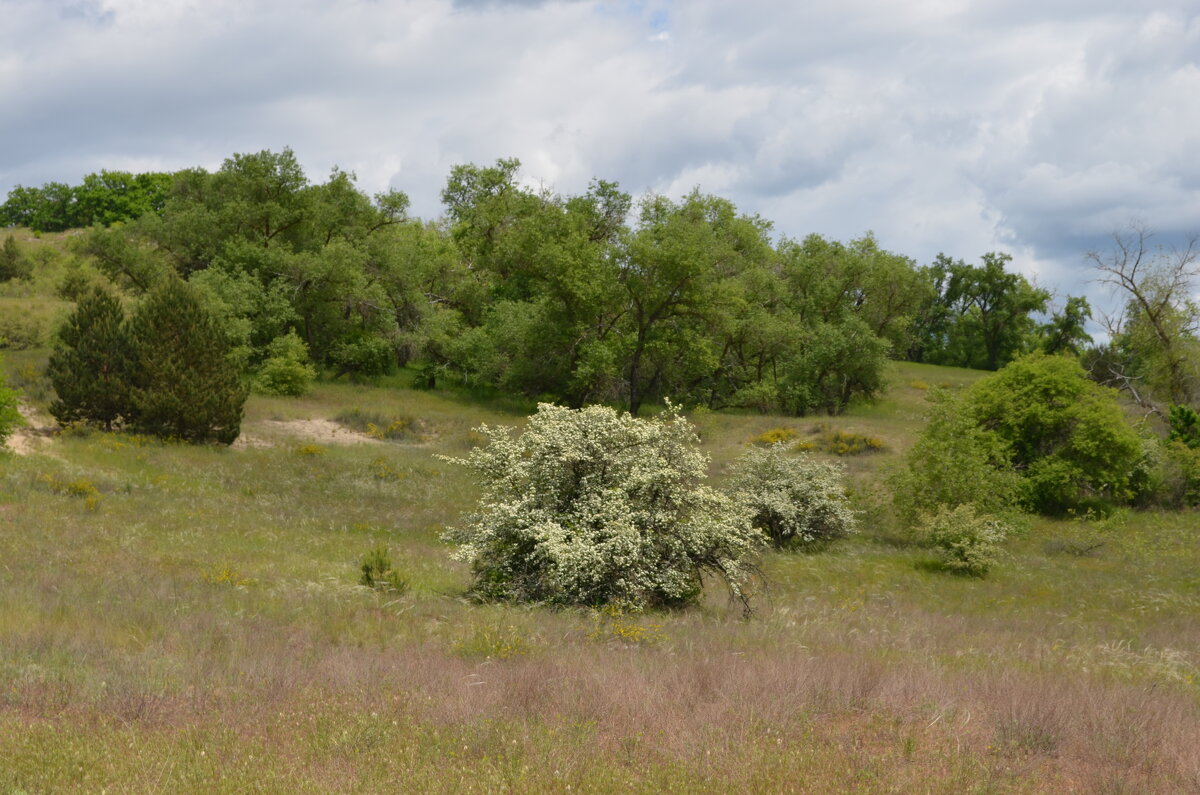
(592, 506)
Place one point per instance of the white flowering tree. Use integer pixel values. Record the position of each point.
(595, 507)
(792, 498)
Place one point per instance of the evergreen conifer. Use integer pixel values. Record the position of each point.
(90, 367)
(184, 384)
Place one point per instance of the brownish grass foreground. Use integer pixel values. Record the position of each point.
(283, 715)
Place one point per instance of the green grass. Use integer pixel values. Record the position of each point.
(192, 620)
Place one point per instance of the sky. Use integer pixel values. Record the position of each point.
(1033, 127)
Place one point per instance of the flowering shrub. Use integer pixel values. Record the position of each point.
(966, 542)
(792, 498)
(592, 507)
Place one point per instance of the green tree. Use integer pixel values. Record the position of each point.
(679, 281)
(92, 364)
(834, 365)
(549, 268)
(976, 316)
(184, 385)
(1155, 351)
(1066, 330)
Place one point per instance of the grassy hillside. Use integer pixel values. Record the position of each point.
(177, 618)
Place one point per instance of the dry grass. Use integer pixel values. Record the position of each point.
(202, 628)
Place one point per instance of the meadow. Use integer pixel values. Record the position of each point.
(190, 618)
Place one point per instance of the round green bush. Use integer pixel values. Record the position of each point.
(966, 542)
(1065, 434)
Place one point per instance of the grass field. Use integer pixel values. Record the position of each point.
(189, 619)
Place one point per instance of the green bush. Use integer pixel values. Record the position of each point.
(595, 507)
(1064, 433)
(792, 499)
(286, 371)
(1184, 426)
(378, 572)
(1174, 476)
(967, 542)
(953, 462)
(10, 418)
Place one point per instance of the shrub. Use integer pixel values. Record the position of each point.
(1184, 426)
(20, 333)
(10, 417)
(1065, 434)
(1175, 476)
(953, 462)
(13, 262)
(843, 443)
(286, 370)
(492, 643)
(310, 451)
(967, 542)
(378, 572)
(774, 436)
(592, 507)
(792, 499)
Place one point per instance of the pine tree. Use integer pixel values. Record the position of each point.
(90, 367)
(184, 385)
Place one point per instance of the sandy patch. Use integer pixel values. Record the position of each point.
(269, 433)
(35, 434)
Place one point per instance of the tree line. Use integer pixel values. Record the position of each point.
(577, 299)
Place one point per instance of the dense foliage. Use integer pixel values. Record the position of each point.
(953, 462)
(1065, 434)
(981, 316)
(578, 299)
(105, 198)
(1038, 432)
(794, 500)
(596, 507)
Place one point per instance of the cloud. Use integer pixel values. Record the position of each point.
(942, 125)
